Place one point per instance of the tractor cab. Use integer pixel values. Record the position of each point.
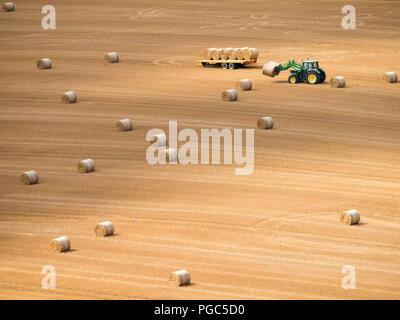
(310, 65)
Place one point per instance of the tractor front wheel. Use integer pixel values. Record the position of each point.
(293, 79)
(312, 77)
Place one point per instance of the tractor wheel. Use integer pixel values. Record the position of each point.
(232, 66)
(323, 76)
(293, 78)
(312, 77)
(224, 66)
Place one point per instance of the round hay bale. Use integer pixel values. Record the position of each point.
(229, 95)
(240, 53)
(338, 82)
(216, 55)
(61, 244)
(226, 53)
(8, 6)
(209, 53)
(68, 97)
(111, 57)
(104, 229)
(30, 177)
(124, 125)
(179, 278)
(390, 77)
(234, 55)
(44, 63)
(160, 140)
(265, 123)
(269, 69)
(350, 217)
(250, 54)
(85, 166)
(244, 84)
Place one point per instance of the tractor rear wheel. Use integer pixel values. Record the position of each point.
(224, 66)
(312, 77)
(232, 66)
(293, 78)
(323, 76)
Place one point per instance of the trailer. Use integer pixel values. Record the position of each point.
(225, 64)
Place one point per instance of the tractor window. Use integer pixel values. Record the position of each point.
(315, 65)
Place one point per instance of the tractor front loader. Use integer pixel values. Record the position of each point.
(308, 71)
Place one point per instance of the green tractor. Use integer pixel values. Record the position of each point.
(308, 71)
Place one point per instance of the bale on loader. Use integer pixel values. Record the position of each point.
(338, 82)
(265, 123)
(350, 217)
(229, 95)
(269, 69)
(244, 84)
(390, 77)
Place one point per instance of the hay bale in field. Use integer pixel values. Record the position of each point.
(30, 177)
(244, 84)
(209, 53)
(44, 63)
(61, 244)
(240, 53)
(250, 54)
(85, 166)
(216, 55)
(104, 229)
(159, 140)
(179, 278)
(390, 77)
(338, 82)
(124, 125)
(68, 97)
(350, 217)
(269, 69)
(226, 53)
(111, 57)
(8, 6)
(229, 95)
(265, 123)
(234, 55)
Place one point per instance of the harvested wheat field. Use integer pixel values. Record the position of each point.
(274, 234)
